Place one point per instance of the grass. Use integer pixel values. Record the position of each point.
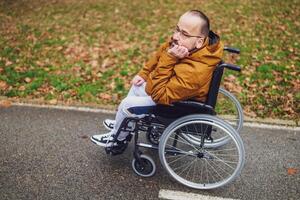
(89, 51)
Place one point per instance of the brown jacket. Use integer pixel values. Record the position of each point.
(170, 80)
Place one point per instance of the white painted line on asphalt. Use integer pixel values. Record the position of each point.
(97, 110)
(177, 195)
(84, 109)
(269, 126)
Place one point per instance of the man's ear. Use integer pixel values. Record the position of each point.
(199, 43)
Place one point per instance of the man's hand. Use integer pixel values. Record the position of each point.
(179, 51)
(137, 80)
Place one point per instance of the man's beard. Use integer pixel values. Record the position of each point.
(175, 42)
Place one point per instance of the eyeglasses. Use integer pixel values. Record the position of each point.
(183, 34)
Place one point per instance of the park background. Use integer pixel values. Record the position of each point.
(74, 52)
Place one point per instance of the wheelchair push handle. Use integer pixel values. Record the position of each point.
(232, 50)
(231, 66)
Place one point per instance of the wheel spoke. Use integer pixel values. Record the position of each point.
(184, 165)
(219, 159)
(223, 169)
(213, 168)
(178, 159)
(232, 149)
(185, 142)
(188, 166)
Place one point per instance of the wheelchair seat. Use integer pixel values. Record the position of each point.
(182, 108)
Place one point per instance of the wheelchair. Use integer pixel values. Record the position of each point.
(195, 147)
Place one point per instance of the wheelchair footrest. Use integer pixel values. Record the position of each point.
(116, 150)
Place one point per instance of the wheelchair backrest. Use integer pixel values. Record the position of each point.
(215, 85)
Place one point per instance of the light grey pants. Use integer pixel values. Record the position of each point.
(136, 97)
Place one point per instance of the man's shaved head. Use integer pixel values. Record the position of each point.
(191, 30)
(203, 22)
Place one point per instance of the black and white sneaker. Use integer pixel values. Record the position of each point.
(109, 124)
(104, 140)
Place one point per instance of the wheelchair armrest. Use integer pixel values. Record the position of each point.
(232, 50)
(231, 66)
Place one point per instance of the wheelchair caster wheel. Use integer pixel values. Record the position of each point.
(145, 167)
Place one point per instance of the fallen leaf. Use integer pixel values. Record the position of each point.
(230, 78)
(8, 63)
(21, 68)
(292, 171)
(22, 88)
(31, 37)
(53, 101)
(233, 87)
(27, 80)
(73, 93)
(39, 63)
(278, 79)
(83, 136)
(95, 54)
(105, 96)
(5, 103)
(94, 63)
(288, 109)
(260, 107)
(115, 97)
(249, 112)
(59, 48)
(105, 63)
(3, 85)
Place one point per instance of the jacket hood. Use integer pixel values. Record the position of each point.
(211, 51)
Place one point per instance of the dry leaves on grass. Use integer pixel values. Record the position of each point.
(98, 53)
(232, 85)
(248, 112)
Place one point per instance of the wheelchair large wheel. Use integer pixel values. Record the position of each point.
(230, 109)
(194, 164)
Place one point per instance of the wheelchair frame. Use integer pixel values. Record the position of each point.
(202, 144)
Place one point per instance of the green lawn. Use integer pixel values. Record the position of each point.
(88, 51)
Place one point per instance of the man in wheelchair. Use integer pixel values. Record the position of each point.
(181, 69)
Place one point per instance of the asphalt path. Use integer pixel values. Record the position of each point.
(46, 154)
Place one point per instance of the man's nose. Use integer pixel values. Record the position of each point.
(176, 36)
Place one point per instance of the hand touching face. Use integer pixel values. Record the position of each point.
(178, 51)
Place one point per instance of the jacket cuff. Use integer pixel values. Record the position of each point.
(143, 75)
(168, 59)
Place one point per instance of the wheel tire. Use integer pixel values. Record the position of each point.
(192, 159)
(237, 106)
(145, 169)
